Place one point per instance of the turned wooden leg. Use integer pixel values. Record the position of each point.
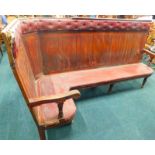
(42, 133)
(110, 88)
(144, 81)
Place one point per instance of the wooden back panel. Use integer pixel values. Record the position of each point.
(24, 71)
(32, 46)
(67, 51)
(50, 46)
(65, 45)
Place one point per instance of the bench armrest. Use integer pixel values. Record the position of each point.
(59, 98)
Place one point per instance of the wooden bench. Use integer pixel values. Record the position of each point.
(53, 59)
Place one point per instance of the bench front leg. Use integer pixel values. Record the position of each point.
(144, 81)
(42, 134)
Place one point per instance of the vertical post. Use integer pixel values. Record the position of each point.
(60, 107)
(60, 115)
(144, 81)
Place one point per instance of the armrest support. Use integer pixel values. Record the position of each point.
(59, 98)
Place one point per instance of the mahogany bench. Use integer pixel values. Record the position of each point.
(52, 59)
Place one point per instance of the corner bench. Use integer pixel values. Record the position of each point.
(52, 59)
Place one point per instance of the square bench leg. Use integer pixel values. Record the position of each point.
(144, 81)
(110, 88)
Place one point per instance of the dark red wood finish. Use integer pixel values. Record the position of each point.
(49, 58)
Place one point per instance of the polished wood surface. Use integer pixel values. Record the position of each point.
(24, 71)
(32, 46)
(72, 51)
(95, 77)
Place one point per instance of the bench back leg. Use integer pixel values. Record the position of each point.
(144, 81)
(110, 88)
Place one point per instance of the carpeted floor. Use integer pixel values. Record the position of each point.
(127, 113)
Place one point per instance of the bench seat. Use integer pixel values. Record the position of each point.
(105, 75)
(63, 82)
(47, 114)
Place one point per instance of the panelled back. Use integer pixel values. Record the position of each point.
(37, 46)
(117, 48)
(66, 51)
(24, 71)
(32, 46)
(58, 51)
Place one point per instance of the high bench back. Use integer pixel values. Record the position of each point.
(45, 46)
